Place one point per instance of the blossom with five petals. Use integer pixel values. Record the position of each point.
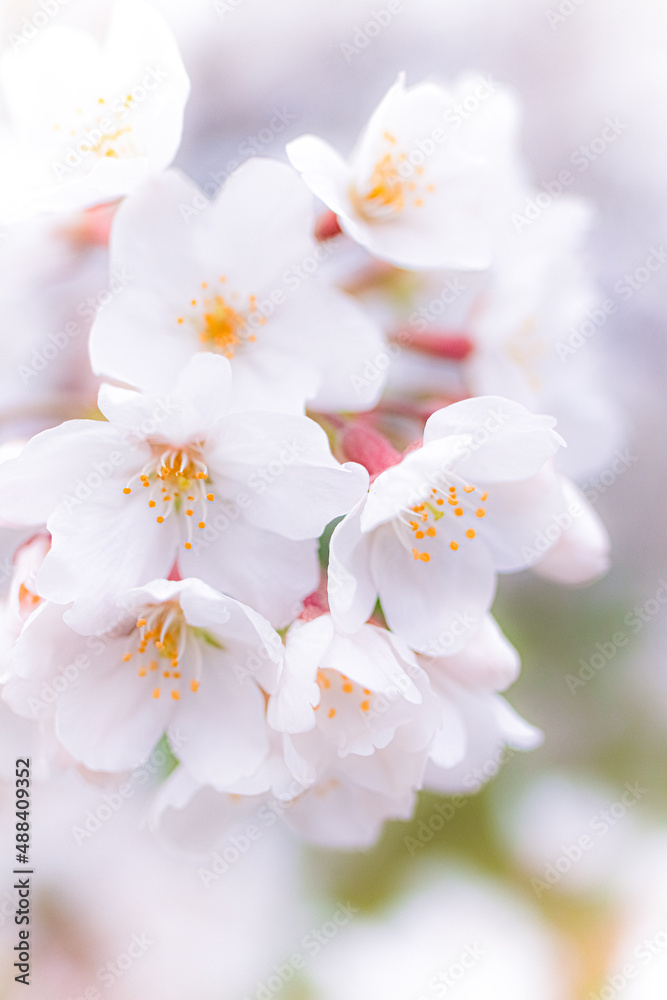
(238, 500)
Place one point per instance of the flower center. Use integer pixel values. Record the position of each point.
(222, 322)
(105, 126)
(422, 518)
(335, 688)
(176, 479)
(394, 183)
(159, 642)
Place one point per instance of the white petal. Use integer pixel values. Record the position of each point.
(102, 547)
(488, 661)
(223, 725)
(582, 552)
(351, 589)
(433, 605)
(108, 718)
(508, 442)
(291, 708)
(263, 570)
(33, 484)
(295, 485)
(324, 171)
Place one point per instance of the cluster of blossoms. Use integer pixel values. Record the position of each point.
(318, 439)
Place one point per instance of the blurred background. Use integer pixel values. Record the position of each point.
(552, 881)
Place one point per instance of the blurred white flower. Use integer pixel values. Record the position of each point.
(455, 932)
(88, 123)
(156, 907)
(361, 718)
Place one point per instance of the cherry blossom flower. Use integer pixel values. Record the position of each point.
(434, 530)
(168, 664)
(353, 719)
(89, 122)
(360, 717)
(238, 278)
(410, 191)
(238, 499)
